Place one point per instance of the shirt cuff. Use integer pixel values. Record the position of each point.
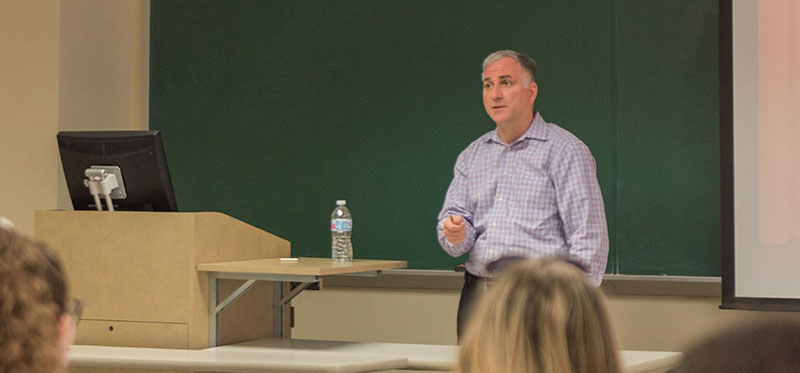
(455, 250)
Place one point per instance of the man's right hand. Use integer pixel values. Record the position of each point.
(454, 229)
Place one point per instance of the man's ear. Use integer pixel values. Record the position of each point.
(533, 88)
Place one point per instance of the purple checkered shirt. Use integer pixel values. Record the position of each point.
(536, 197)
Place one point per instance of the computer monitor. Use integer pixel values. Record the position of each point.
(141, 161)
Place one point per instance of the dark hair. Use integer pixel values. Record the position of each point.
(33, 297)
(769, 347)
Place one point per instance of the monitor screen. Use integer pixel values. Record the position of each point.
(142, 168)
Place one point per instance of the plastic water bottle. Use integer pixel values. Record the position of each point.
(341, 229)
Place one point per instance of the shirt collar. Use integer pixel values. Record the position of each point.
(537, 131)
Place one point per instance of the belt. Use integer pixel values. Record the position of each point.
(472, 280)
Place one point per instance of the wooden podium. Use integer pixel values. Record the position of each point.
(136, 275)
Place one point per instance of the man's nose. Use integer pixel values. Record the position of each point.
(496, 93)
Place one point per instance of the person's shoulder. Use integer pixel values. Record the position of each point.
(474, 147)
(480, 141)
(565, 144)
(562, 136)
(563, 140)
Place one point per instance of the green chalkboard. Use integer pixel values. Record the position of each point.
(271, 111)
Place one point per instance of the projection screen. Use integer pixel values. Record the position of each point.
(760, 153)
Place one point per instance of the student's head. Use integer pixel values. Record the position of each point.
(541, 316)
(36, 325)
(764, 347)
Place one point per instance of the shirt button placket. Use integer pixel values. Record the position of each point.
(503, 183)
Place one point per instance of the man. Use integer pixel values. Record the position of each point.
(526, 189)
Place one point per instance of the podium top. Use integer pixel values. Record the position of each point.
(301, 266)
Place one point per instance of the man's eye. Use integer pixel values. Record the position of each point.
(486, 85)
(506, 82)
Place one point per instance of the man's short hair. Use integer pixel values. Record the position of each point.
(527, 63)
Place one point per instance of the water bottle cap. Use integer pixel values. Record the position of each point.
(341, 202)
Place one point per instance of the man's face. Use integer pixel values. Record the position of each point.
(506, 96)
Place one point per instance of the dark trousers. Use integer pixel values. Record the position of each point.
(473, 288)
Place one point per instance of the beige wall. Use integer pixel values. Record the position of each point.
(104, 62)
(673, 323)
(28, 108)
(419, 316)
(66, 65)
(377, 315)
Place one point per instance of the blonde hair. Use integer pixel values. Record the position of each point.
(541, 316)
(33, 298)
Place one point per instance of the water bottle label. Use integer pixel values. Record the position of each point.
(341, 225)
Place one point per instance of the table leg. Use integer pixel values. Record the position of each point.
(277, 310)
(213, 317)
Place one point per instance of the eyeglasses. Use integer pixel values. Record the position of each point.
(76, 310)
